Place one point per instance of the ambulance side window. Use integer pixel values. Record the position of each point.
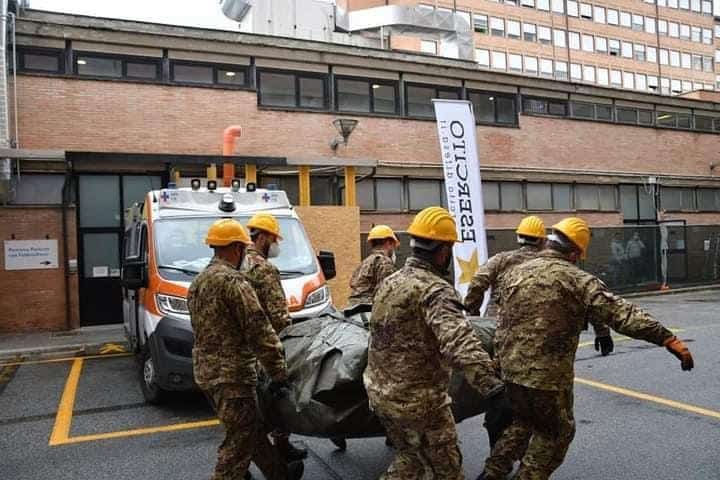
(133, 242)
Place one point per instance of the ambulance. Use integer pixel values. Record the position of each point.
(163, 251)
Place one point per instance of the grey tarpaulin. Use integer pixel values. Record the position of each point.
(326, 357)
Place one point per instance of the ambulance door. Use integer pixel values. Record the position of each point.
(134, 255)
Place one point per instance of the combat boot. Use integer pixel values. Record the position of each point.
(295, 470)
(288, 451)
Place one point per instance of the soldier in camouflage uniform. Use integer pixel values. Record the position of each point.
(546, 303)
(376, 267)
(231, 334)
(264, 277)
(417, 334)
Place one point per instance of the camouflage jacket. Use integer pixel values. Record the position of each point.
(417, 334)
(231, 331)
(545, 304)
(367, 277)
(490, 274)
(264, 277)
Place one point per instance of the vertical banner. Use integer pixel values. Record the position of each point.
(458, 148)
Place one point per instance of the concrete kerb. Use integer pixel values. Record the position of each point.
(671, 291)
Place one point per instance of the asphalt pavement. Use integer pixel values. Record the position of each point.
(638, 417)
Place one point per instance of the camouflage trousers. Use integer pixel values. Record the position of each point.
(425, 449)
(541, 432)
(245, 438)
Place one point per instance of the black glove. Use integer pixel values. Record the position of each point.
(498, 416)
(604, 345)
(279, 390)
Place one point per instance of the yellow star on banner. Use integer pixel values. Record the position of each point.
(468, 267)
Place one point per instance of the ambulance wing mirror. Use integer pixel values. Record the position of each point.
(327, 264)
(134, 274)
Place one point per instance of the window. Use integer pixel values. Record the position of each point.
(529, 32)
(616, 78)
(428, 46)
(562, 194)
(559, 38)
(625, 19)
(595, 197)
(684, 32)
(674, 58)
(292, 90)
(626, 115)
(515, 62)
(545, 106)
(493, 108)
(703, 123)
(546, 67)
(497, 27)
(677, 199)
(707, 7)
(544, 35)
(604, 112)
(513, 29)
(628, 80)
(662, 27)
(588, 43)
(695, 33)
(575, 71)
(356, 95)
(707, 64)
(665, 86)
(39, 189)
(612, 17)
(707, 36)
(673, 30)
(627, 49)
(640, 82)
(708, 199)
(599, 14)
(39, 60)
(543, 5)
(645, 117)
(204, 74)
(511, 197)
(639, 52)
(528, 3)
(672, 3)
(498, 60)
(684, 4)
(480, 22)
(662, 3)
(531, 65)
(101, 66)
(603, 76)
(601, 44)
(558, 6)
(424, 193)
(649, 25)
(539, 196)
(582, 110)
(574, 40)
(651, 54)
(652, 82)
(572, 8)
(695, 6)
(684, 120)
(586, 11)
(697, 62)
(589, 73)
(614, 47)
(666, 119)
(685, 60)
(561, 71)
(482, 57)
(664, 57)
(491, 195)
(389, 194)
(419, 99)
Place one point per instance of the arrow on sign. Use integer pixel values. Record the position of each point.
(46, 262)
(111, 348)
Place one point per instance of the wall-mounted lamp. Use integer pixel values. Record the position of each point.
(345, 127)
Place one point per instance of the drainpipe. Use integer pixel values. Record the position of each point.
(229, 135)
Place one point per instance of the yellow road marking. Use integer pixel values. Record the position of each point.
(64, 359)
(142, 431)
(112, 348)
(63, 419)
(623, 338)
(650, 398)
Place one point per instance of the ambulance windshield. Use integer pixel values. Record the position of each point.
(181, 250)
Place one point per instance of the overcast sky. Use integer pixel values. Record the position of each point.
(195, 13)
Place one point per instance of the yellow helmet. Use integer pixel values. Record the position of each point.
(226, 231)
(577, 231)
(265, 222)
(434, 223)
(531, 226)
(381, 232)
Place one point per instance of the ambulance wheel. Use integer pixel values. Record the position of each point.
(148, 379)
